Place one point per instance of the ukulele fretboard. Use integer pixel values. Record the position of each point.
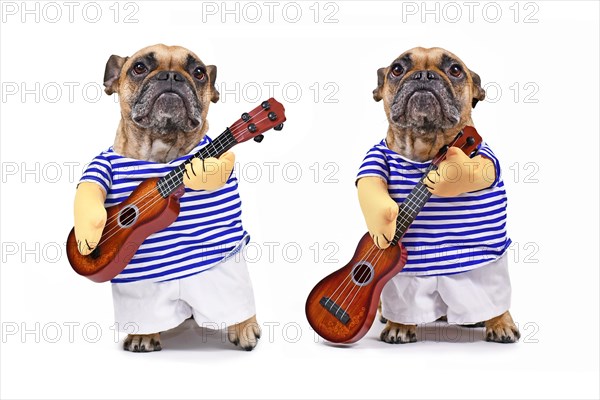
(170, 182)
(412, 205)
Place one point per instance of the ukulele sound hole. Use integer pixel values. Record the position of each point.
(362, 273)
(127, 216)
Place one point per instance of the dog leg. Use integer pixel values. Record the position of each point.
(382, 319)
(398, 333)
(245, 334)
(142, 343)
(501, 329)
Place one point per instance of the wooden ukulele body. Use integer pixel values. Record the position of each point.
(128, 224)
(342, 306)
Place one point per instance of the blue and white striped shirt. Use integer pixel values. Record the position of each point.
(208, 228)
(450, 234)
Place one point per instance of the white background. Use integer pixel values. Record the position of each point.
(546, 136)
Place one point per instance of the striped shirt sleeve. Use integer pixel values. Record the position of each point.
(485, 151)
(374, 164)
(99, 171)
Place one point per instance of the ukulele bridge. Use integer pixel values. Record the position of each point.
(337, 311)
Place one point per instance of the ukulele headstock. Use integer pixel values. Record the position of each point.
(467, 140)
(270, 114)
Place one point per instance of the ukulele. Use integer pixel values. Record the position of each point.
(154, 204)
(342, 306)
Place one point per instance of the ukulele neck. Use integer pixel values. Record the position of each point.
(174, 179)
(412, 205)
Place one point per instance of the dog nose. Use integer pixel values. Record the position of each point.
(422, 75)
(169, 75)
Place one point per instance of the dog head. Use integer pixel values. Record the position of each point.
(428, 95)
(164, 93)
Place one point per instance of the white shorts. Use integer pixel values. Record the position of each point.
(465, 298)
(218, 297)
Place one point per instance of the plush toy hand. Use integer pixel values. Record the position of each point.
(90, 216)
(379, 209)
(210, 173)
(459, 174)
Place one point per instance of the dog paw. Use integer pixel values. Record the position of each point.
(398, 333)
(245, 334)
(501, 329)
(142, 343)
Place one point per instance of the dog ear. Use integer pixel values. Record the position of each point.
(477, 90)
(112, 72)
(212, 76)
(380, 80)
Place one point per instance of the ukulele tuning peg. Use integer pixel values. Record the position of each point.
(258, 138)
(245, 117)
(265, 104)
(470, 141)
(278, 127)
(272, 116)
(252, 128)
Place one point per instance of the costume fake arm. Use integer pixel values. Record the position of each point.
(459, 174)
(210, 173)
(379, 209)
(90, 216)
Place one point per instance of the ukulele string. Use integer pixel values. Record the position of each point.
(239, 123)
(158, 196)
(377, 253)
(374, 263)
(233, 139)
(372, 249)
(348, 279)
(155, 196)
(153, 200)
(235, 135)
(232, 129)
(170, 180)
(420, 191)
(398, 234)
(143, 204)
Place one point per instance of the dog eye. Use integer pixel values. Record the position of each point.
(397, 70)
(455, 70)
(139, 68)
(198, 73)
